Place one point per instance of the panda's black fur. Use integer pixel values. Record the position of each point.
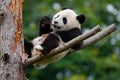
(28, 46)
(52, 40)
(69, 35)
(44, 26)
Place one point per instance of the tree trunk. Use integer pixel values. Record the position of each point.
(11, 40)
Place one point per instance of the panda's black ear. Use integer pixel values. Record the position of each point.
(64, 8)
(81, 18)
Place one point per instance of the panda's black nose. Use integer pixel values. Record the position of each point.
(55, 22)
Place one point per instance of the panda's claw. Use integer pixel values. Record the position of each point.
(38, 48)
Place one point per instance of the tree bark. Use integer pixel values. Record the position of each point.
(11, 40)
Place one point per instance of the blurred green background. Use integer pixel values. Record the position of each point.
(100, 61)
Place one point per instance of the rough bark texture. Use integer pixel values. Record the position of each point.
(11, 40)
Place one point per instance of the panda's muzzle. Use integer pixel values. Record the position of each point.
(55, 22)
(57, 27)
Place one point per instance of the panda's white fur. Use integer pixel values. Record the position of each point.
(36, 45)
(36, 51)
(59, 25)
(38, 40)
(72, 21)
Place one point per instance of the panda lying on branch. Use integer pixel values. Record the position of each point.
(64, 26)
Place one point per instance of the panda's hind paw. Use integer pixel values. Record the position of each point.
(38, 48)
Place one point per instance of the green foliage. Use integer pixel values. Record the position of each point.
(97, 62)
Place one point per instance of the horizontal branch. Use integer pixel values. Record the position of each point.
(89, 41)
(76, 40)
(63, 47)
(100, 35)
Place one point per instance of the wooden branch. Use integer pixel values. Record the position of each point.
(63, 47)
(100, 35)
(87, 42)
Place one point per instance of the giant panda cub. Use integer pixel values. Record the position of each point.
(65, 25)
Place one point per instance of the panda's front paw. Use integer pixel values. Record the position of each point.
(38, 48)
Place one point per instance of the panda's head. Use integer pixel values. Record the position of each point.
(67, 19)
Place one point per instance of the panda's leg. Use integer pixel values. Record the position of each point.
(71, 34)
(28, 46)
(27, 54)
(38, 48)
(78, 45)
(51, 42)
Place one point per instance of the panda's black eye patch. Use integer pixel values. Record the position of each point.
(57, 16)
(64, 20)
